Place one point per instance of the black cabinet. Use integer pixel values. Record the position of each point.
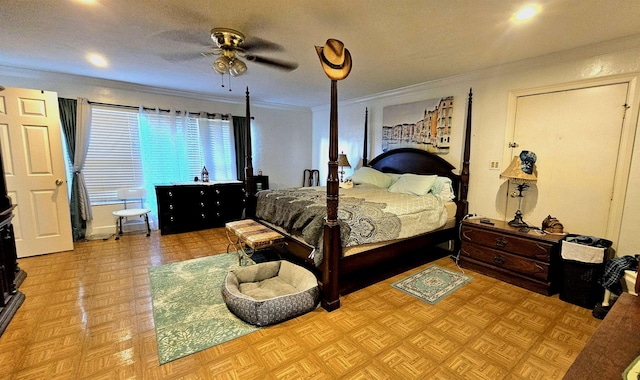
(183, 208)
(10, 297)
(258, 183)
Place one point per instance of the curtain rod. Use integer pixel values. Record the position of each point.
(209, 114)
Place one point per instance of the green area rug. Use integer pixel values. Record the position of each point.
(188, 310)
(432, 284)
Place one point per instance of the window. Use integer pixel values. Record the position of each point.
(113, 158)
(128, 149)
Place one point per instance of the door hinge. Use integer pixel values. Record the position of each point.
(625, 107)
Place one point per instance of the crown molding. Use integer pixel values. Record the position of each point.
(20, 72)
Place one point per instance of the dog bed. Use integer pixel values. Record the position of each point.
(271, 292)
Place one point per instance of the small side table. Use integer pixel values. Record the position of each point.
(251, 234)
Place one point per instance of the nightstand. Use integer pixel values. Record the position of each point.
(527, 259)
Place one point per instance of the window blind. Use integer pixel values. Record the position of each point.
(113, 158)
(127, 150)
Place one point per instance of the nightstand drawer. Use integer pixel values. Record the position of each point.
(526, 247)
(501, 259)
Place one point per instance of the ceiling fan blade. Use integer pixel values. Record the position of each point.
(278, 64)
(256, 43)
(185, 36)
(180, 57)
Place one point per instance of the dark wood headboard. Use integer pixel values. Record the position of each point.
(415, 161)
(410, 160)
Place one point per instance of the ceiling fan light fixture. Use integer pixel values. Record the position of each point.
(221, 65)
(237, 67)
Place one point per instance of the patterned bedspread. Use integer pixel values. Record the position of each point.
(367, 214)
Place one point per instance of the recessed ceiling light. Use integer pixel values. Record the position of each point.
(97, 60)
(526, 13)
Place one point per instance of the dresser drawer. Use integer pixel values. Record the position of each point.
(525, 266)
(526, 247)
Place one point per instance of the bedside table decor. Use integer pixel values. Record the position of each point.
(342, 163)
(523, 173)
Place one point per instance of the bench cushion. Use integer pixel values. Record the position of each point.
(254, 234)
(271, 292)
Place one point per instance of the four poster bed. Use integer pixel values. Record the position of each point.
(341, 241)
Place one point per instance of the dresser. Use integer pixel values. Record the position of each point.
(527, 259)
(198, 206)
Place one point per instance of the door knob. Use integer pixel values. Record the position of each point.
(59, 182)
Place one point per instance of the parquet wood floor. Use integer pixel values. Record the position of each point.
(87, 315)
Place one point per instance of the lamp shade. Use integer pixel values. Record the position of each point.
(515, 173)
(221, 65)
(343, 161)
(237, 67)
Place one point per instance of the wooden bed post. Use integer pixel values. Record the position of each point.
(336, 64)
(331, 242)
(249, 185)
(248, 169)
(464, 188)
(366, 138)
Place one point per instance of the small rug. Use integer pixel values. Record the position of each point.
(188, 310)
(432, 284)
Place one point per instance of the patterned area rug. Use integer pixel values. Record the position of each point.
(432, 284)
(188, 310)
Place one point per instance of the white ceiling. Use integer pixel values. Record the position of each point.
(393, 43)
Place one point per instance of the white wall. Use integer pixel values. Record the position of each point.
(491, 88)
(280, 135)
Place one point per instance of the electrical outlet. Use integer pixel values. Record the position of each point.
(494, 165)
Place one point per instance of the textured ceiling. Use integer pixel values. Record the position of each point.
(393, 43)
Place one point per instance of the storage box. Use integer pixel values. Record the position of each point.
(582, 267)
(584, 253)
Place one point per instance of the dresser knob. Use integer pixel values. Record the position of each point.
(499, 259)
(501, 242)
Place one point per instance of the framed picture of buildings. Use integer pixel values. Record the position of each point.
(423, 125)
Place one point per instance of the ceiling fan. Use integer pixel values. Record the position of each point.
(232, 45)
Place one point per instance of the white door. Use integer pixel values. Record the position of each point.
(576, 136)
(31, 147)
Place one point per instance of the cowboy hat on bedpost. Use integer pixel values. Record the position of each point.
(335, 59)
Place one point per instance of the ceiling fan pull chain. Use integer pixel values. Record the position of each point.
(222, 80)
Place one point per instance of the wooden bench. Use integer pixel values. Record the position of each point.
(249, 233)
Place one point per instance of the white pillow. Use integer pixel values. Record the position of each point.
(413, 184)
(371, 176)
(394, 177)
(443, 188)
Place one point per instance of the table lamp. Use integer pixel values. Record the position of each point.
(343, 162)
(523, 173)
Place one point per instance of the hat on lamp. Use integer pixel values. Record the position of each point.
(335, 59)
(515, 173)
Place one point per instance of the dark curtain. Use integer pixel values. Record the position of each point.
(68, 108)
(240, 133)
